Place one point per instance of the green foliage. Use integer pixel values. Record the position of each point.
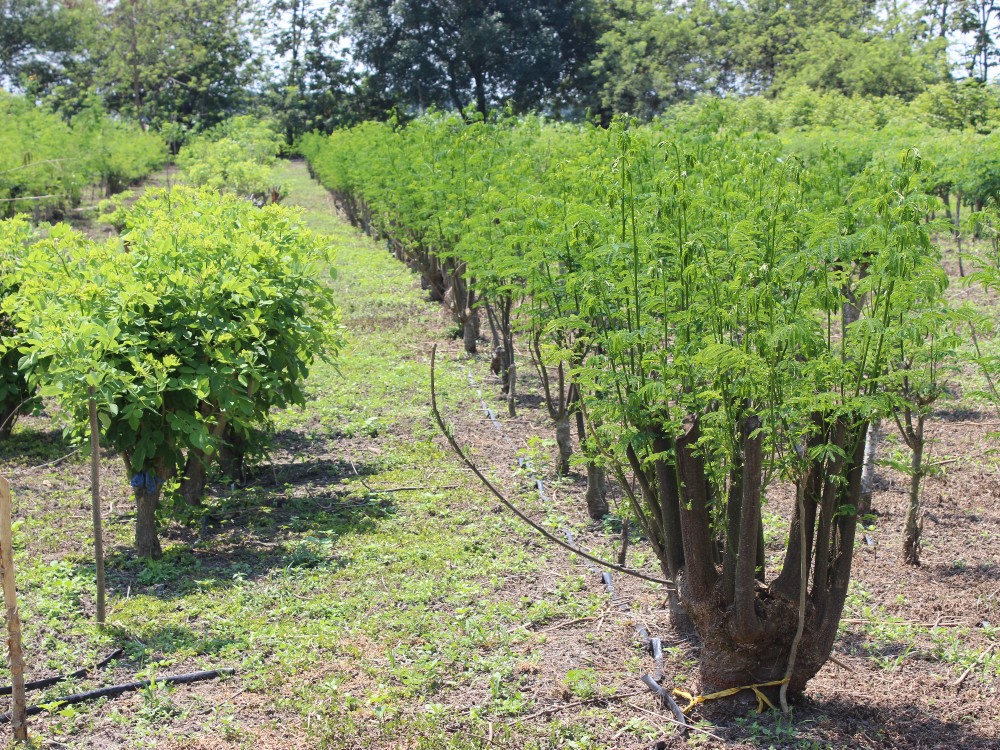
(959, 105)
(205, 313)
(653, 56)
(583, 683)
(236, 156)
(46, 163)
(314, 92)
(38, 39)
(866, 63)
(171, 61)
(15, 393)
(692, 279)
(460, 54)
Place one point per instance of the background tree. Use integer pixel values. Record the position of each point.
(453, 53)
(189, 62)
(979, 20)
(313, 82)
(654, 55)
(857, 47)
(38, 40)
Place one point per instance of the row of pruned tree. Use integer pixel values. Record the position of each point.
(724, 317)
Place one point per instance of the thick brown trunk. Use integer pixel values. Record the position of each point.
(470, 331)
(195, 477)
(734, 655)
(747, 625)
(669, 506)
(597, 501)
(564, 444)
(810, 486)
(147, 499)
(830, 583)
(698, 582)
(434, 275)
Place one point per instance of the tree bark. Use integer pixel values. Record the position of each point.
(564, 444)
(512, 387)
(747, 625)
(470, 331)
(232, 455)
(147, 500)
(914, 522)
(195, 477)
(597, 502)
(698, 582)
(8, 418)
(868, 469)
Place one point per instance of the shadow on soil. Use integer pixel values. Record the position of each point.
(856, 723)
(169, 639)
(251, 532)
(28, 447)
(967, 575)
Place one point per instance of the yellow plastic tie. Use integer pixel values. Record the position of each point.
(762, 700)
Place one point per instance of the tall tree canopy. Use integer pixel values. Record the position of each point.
(453, 53)
(38, 40)
(321, 64)
(189, 62)
(312, 82)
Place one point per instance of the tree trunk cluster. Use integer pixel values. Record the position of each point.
(747, 625)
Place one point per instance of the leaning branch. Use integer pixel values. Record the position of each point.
(489, 485)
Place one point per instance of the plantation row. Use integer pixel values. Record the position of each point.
(47, 163)
(720, 309)
(237, 156)
(185, 331)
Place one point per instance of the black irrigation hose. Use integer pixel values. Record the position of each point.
(655, 647)
(110, 692)
(453, 443)
(78, 674)
(668, 701)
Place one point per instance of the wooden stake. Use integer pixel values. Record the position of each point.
(95, 498)
(19, 720)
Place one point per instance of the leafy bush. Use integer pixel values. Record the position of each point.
(235, 156)
(46, 163)
(15, 394)
(190, 327)
(724, 304)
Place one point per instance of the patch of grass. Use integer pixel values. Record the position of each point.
(889, 640)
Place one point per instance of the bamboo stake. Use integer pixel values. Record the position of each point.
(95, 496)
(19, 720)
